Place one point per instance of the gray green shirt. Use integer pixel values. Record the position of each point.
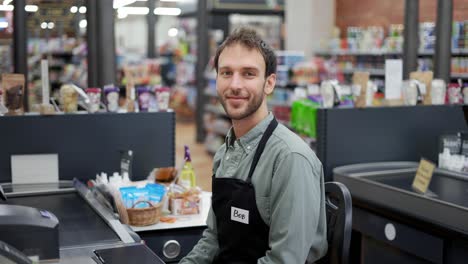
(289, 189)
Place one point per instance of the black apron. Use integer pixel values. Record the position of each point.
(242, 233)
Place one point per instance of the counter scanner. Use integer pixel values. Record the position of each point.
(62, 222)
(10, 255)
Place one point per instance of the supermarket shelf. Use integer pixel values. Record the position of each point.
(62, 54)
(221, 132)
(373, 72)
(459, 75)
(272, 103)
(383, 52)
(377, 72)
(56, 66)
(357, 52)
(210, 93)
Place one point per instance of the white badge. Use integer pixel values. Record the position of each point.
(239, 215)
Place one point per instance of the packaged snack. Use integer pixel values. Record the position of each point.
(165, 174)
(127, 196)
(132, 197)
(94, 95)
(438, 92)
(13, 92)
(112, 98)
(156, 192)
(162, 96)
(186, 203)
(454, 94)
(68, 98)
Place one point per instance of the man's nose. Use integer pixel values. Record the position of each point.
(236, 81)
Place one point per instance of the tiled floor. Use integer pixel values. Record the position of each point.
(202, 161)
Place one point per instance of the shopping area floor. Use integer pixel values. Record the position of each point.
(202, 161)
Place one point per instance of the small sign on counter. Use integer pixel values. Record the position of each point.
(423, 176)
(36, 168)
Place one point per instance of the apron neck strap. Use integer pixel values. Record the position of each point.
(261, 146)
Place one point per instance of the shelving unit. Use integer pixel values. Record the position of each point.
(6, 57)
(215, 110)
(383, 52)
(67, 63)
(369, 57)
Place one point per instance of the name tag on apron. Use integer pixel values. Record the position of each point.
(239, 215)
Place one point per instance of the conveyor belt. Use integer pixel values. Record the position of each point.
(448, 189)
(79, 224)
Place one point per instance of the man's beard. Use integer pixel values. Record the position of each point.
(252, 106)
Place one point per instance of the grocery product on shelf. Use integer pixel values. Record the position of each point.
(111, 98)
(187, 176)
(69, 99)
(13, 92)
(94, 95)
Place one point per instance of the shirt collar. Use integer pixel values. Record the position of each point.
(250, 140)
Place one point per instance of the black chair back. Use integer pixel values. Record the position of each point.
(339, 223)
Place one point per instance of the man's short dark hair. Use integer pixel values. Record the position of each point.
(249, 38)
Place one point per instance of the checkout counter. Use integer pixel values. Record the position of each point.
(64, 223)
(391, 222)
(394, 224)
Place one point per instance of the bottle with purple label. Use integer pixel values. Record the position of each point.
(144, 97)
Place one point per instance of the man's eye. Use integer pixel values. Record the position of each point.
(249, 74)
(225, 73)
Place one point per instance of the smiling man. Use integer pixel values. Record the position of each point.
(268, 194)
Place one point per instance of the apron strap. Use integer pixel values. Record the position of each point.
(261, 146)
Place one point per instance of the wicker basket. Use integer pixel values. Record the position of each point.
(144, 216)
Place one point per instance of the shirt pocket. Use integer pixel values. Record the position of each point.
(263, 205)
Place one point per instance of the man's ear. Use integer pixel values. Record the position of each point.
(270, 83)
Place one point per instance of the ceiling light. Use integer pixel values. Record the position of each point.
(44, 25)
(122, 15)
(169, 0)
(172, 32)
(31, 8)
(121, 3)
(132, 10)
(6, 7)
(167, 11)
(73, 9)
(3, 24)
(6, 2)
(83, 23)
(50, 25)
(82, 9)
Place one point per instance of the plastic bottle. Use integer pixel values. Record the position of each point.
(187, 175)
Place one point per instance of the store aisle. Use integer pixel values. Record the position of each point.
(202, 161)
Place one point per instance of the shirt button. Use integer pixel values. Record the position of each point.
(227, 158)
(248, 147)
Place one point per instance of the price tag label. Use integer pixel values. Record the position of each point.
(423, 176)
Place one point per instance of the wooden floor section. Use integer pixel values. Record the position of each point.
(202, 161)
